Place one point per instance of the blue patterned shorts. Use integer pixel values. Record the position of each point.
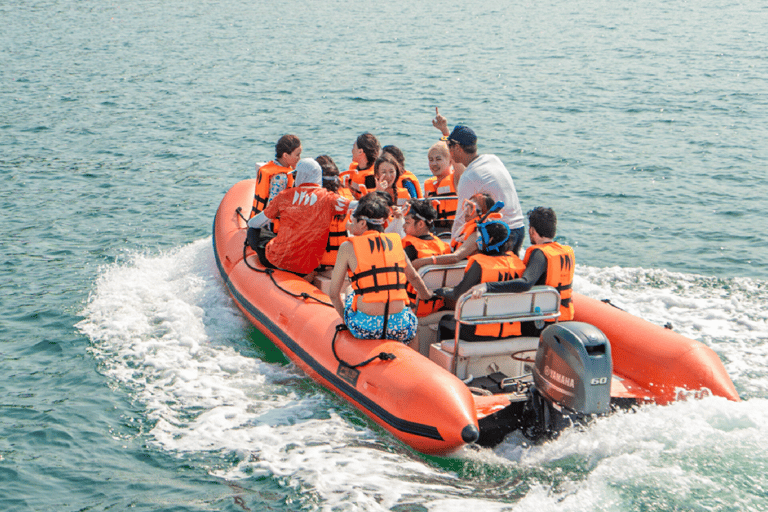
(400, 326)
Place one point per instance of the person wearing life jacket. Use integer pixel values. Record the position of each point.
(493, 262)
(365, 151)
(338, 229)
(407, 179)
(276, 175)
(387, 173)
(420, 242)
(441, 184)
(547, 263)
(305, 212)
(379, 272)
(479, 205)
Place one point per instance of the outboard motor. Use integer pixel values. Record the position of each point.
(571, 377)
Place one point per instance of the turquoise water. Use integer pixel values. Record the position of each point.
(129, 379)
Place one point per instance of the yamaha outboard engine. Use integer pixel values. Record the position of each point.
(572, 376)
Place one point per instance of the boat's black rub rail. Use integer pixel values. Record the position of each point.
(400, 424)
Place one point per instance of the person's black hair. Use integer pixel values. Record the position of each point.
(395, 152)
(330, 171)
(486, 201)
(544, 221)
(374, 207)
(497, 231)
(286, 144)
(423, 208)
(370, 146)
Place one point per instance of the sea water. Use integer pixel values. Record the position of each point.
(130, 381)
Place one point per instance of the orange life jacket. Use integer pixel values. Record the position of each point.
(264, 176)
(432, 246)
(446, 208)
(338, 232)
(402, 196)
(469, 228)
(504, 267)
(411, 178)
(560, 267)
(380, 272)
(354, 175)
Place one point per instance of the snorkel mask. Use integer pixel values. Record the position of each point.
(484, 240)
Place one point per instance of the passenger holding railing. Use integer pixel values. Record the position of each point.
(378, 271)
(494, 262)
(420, 242)
(442, 184)
(547, 263)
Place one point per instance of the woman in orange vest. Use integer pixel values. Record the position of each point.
(276, 175)
(387, 172)
(493, 262)
(547, 263)
(359, 177)
(379, 271)
(407, 179)
(442, 184)
(419, 242)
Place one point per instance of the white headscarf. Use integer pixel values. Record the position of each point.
(308, 171)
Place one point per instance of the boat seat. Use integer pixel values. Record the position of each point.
(488, 348)
(323, 283)
(442, 276)
(512, 356)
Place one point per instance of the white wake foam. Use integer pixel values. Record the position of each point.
(164, 328)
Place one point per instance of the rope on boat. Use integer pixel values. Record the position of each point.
(270, 272)
(384, 356)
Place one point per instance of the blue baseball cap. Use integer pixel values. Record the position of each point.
(463, 135)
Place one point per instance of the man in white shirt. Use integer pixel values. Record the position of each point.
(484, 174)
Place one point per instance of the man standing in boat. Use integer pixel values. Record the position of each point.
(482, 173)
(546, 263)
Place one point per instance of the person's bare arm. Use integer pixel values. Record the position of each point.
(416, 281)
(441, 123)
(338, 275)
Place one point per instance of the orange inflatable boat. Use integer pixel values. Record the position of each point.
(426, 398)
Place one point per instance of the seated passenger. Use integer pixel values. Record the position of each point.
(387, 172)
(465, 245)
(407, 179)
(441, 184)
(305, 213)
(378, 271)
(338, 229)
(276, 175)
(419, 242)
(547, 263)
(494, 262)
(359, 178)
